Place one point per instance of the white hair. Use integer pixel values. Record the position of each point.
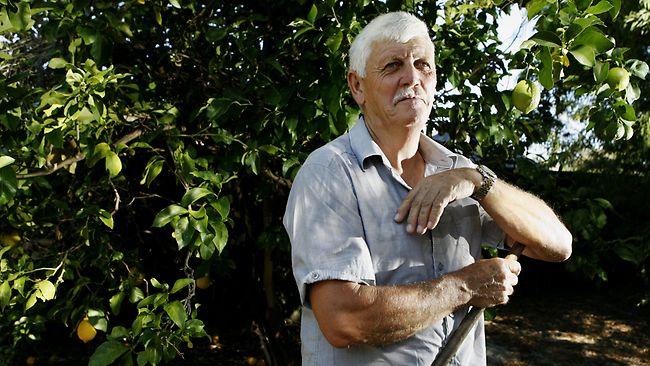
(396, 26)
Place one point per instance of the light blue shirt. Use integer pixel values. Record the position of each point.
(339, 218)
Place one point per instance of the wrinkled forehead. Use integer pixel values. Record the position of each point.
(419, 47)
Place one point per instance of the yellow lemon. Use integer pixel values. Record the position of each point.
(85, 331)
(525, 96)
(618, 78)
(203, 282)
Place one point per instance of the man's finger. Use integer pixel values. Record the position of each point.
(514, 266)
(412, 220)
(436, 212)
(404, 207)
(512, 279)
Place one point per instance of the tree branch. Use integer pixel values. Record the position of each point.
(69, 161)
(80, 156)
(280, 180)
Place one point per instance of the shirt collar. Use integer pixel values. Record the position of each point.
(365, 147)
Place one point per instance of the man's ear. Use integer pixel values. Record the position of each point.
(354, 82)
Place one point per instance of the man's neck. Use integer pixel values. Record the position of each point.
(400, 145)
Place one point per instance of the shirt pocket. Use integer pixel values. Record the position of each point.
(399, 257)
(453, 238)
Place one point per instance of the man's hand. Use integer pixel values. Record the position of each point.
(490, 282)
(426, 202)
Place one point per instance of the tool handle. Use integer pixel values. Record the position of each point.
(456, 339)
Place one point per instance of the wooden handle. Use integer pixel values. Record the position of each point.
(455, 340)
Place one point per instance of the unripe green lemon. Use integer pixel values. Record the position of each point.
(618, 78)
(525, 96)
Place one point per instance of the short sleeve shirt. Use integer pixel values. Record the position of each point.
(340, 220)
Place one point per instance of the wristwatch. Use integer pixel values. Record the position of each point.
(488, 180)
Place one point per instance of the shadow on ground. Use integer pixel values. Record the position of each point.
(571, 327)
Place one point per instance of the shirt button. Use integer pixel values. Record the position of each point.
(315, 275)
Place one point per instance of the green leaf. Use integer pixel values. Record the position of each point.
(603, 203)
(84, 116)
(582, 4)
(106, 218)
(585, 55)
(5, 294)
(57, 63)
(600, 71)
(637, 67)
(200, 225)
(313, 12)
(181, 284)
(107, 353)
(222, 206)
(6, 160)
(151, 171)
(116, 302)
(602, 7)
(101, 150)
(546, 38)
(334, 42)
(616, 8)
(176, 312)
(21, 19)
(8, 184)
(136, 295)
(194, 194)
(31, 301)
(594, 38)
(88, 35)
(207, 248)
(535, 6)
(119, 332)
(625, 111)
(155, 283)
(182, 234)
(45, 290)
(216, 34)
(632, 93)
(221, 235)
(175, 3)
(167, 214)
(113, 164)
(158, 16)
(629, 253)
(546, 70)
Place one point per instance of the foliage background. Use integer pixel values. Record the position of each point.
(147, 143)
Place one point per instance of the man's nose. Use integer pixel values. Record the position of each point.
(411, 75)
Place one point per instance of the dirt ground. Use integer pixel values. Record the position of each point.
(571, 327)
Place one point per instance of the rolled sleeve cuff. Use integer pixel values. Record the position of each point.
(324, 275)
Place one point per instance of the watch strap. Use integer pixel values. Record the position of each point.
(488, 180)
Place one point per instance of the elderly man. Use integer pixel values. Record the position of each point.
(386, 225)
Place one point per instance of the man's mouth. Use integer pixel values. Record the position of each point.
(413, 97)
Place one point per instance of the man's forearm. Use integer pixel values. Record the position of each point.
(377, 315)
(350, 314)
(528, 220)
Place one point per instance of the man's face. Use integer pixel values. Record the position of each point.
(400, 83)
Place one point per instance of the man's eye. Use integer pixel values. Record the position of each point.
(392, 65)
(423, 65)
